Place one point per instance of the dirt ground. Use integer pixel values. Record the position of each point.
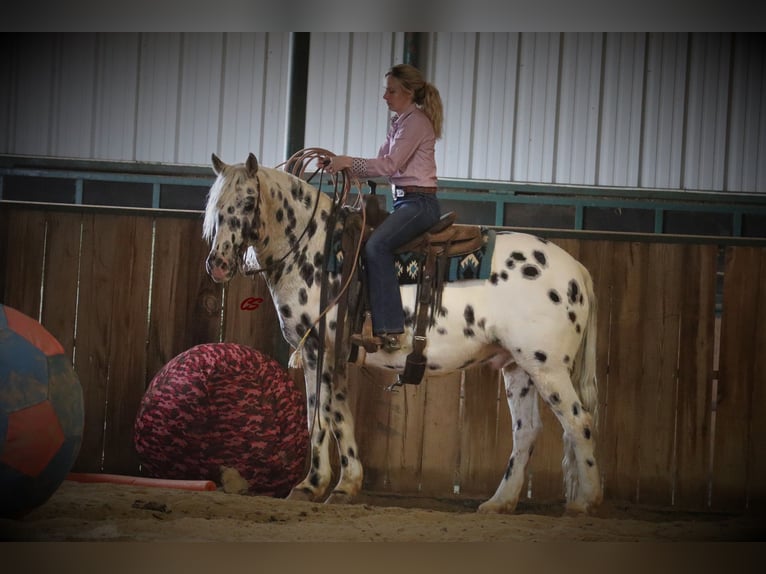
(109, 512)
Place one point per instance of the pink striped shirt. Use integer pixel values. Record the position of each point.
(407, 156)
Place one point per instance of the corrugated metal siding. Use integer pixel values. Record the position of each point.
(154, 97)
(746, 145)
(158, 100)
(345, 111)
(677, 111)
(114, 116)
(707, 111)
(578, 110)
(622, 88)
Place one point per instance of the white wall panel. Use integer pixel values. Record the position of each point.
(328, 102)
(200, 100)
(74, 95)
(707, 111)
(345, 111)
(155, 97)
(495, 106)
(536, 107)
(663, 109)
(578, 109)
(158, 98)
(7, 84)
(116, 97)
(621, 110)
(746, 166)
(32, 112)
(677, 111)
(367, 115)
(453, 73)
(269, 138)
(254, 91)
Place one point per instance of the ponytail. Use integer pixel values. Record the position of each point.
(425, 95)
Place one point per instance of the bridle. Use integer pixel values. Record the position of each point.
(297, 164)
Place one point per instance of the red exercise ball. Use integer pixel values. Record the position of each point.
(224, 405)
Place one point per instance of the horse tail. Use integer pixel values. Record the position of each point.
(584, 374)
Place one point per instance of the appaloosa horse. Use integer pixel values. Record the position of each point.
(534, 317)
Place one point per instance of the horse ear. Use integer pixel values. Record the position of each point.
(251, 164)
(218, 165)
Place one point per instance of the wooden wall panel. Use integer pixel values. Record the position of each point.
(659, 326)
(62, 267)
(756, 462)
(695, 376)
(25, 240)
(404, 445)
(441, 435)
(249, 321)
(597, 256)
(621, 425)
(185, 303)
(547, 477)
(371, 407)
(478, 472)
(735, 411)
(656, 344)
(112, 330)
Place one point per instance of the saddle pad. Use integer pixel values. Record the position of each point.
(474, 265)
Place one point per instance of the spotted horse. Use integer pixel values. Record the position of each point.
(534, 318)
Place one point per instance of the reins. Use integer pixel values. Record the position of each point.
(297, 165)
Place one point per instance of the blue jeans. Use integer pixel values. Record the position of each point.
(413, 214)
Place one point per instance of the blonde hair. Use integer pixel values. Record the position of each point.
(425, 95)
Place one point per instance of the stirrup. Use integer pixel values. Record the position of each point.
(373, 343)
(370, 343)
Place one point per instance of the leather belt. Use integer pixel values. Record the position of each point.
(401, 190)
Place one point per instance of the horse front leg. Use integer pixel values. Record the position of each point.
(342, 420)
(314, 486)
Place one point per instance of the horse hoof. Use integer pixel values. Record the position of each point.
(339, 498)
(489, 507)
(575, 509)
(301, 495)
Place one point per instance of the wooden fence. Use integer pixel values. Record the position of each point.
(683, 410)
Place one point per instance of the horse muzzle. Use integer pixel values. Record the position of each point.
(218, 269)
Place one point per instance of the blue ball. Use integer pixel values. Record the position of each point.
(41, 414)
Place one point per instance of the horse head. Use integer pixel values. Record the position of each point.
(230, 223)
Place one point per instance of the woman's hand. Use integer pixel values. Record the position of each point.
(337, 163)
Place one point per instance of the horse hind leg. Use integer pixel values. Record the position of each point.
(582, 480)
(525, 418)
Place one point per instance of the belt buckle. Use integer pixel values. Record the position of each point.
(398, 193)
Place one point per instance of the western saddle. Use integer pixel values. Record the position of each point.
(433, 248)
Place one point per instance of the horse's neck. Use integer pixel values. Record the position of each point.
(279, 229)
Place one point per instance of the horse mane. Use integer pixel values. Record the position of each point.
(223, 189)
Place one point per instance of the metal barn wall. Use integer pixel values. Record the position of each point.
(345, 111)
(673, 111)
(150, 97)
(670, 110)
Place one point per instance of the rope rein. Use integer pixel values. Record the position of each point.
(297, 163)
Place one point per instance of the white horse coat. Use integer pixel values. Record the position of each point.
(534, 317)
